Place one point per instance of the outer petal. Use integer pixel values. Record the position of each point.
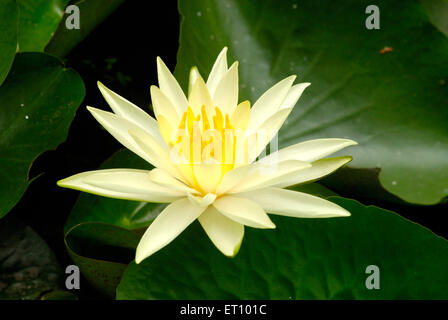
(225, 233)
(265, 133)
(243, 211)
(126, 184)
(119, 128)
(130, 112)
(269, 103)
(174, 219)
(261, 176)
(293, 95)
(171, 88)
(219, 69)
(319, 169)
(226, 94)
(311, 150)
(294, 204)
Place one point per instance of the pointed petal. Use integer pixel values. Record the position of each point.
(226, 94)
(199, 97)
(171, 88)
(174, 219)
(311, 150)
(293, 95)
(225, 233)
(219, 69)
(243, 211)
(265, 133)
(119, 128)
(240, 117)
(262, 175)
(163, 106)
(194, 75)
(294, 204)
(127, 110)
(269, 103)
(319, 169)
(126, 184)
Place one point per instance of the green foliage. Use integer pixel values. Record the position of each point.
(300, 259)
(38, 102)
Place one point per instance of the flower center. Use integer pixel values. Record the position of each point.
(206, 141)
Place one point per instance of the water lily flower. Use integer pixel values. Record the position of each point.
(204, 149)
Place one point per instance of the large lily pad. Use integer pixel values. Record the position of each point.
(38, 21)
(37, 104)
(92, 13)
(8, 36)
(300, 259)
(102, 252)
(393, 102)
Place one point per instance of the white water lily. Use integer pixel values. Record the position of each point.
(204, 149)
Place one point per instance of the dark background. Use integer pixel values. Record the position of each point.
(121, 53)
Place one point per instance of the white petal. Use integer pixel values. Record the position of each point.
(208, 175)
(127, 110)
(163, 178)
(194, 75)
(243, 211)
(200, 96)
(225, 233)
(262, 175)
(204, 201)
(293, 95)
(294, 204)
(226, 94)
(156, 155)
(126, 184)
(269, 103)
(171, 88)
(311, 150)
(319, 169)
(119, 128)
(231, 179)
(219, 69)
(174, 219)
(163, 106)
(265, 133)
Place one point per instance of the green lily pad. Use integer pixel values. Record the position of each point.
(28, 268)
(8, 36)
(92, 13)
(38, 102)
(38, 20)
(102, 252)
(300, 259)
(393, 102)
